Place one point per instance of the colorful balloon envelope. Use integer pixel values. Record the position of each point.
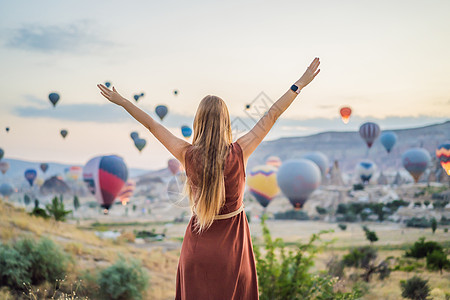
(44, 167)
(297, 179)
(6, 189)
(2, 153)
(175, 92)
(134, 135)
(365, 170)
(186, 131)
(126, 192)
(345, 114)
(140, 144)
(136, 97)
(54, 98)
(369, 132)
(443, 154)
(262, 181)
(388, 140)
(74, 173)
(105, 177)
(64, 133)
(7, 129)
(320, 159)
(161, 111)
(108, 84)
(174, 166)
(4, 166)
(274, 161)
(30, 176)
(416, 161)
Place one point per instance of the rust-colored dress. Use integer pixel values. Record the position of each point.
(219, 263)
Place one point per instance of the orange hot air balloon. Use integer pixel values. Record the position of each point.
(443, 154)
(345, 114)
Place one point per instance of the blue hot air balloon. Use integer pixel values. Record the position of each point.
(186, 131)
(2, 153)
(105, 176)
(30, 176)
(7, 129)
(136, 97)
(134, 135)
(141, 95)
(44, 167)
(161, 111)
(388, 140)
(369, 132)
(320, 159)
(365, 169)
(297, 179)
(107, 84)
(6, 190)
(416, 161)
(54, 98)
(140, 143)
(64, 133)
(175, 92)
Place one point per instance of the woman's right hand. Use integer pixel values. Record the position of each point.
(309, 74)
(112, 96)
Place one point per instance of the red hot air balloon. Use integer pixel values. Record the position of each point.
(105, 177)
(369, 132)
(345, 114)
(174, 166)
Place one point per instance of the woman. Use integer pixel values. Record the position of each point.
(217, 260)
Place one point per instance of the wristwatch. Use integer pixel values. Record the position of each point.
(295, 89)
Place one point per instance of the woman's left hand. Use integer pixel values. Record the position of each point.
(112, 96)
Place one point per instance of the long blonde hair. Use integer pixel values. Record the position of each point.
(212, 137)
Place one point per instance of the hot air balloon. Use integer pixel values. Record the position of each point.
(174, 166)
(161, 111)
(175, 92)
(140, 143)
(365, 169)
(297, 179)
(126, 192)
(369, 132)
(186, 131)
(443, 154)
(247, 106)
(30, 176)
(44, 167)
(1, 153)
(345, 114)
(74, 173)
(262, 181)
(6, 190)
(141, 95)
(64, 133)
(54, 98)
(274, 161)
(136, 97)
(4, 166)
(105, 176)
(388, 140)
(107, 84)
(134, 135)
(416, 161)
(7, 129)
(321, 160)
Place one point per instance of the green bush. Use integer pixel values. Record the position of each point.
(320, 210)
(343, 227)
(347, 217)
(444, 221)
(283, 273)
(415, 288)
(291, 215)
(123, 280)
(421, 249)
(30, 262)
(365, 259)
(370, 235)
(437, 260)
(418, 222)
(56, 209)
(408, 265)
(358, 187)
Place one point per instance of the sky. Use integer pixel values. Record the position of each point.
(387, 60)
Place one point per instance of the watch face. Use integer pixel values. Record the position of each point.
(294, 88)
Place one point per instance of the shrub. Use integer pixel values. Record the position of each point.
(418, 222)
(320, 210)
(444, 221)
(56, 209)
(437, 260)
(415, 288)
(365, 258)
(343, 227)
(370, 235)
(13, 268)
(291, 215)
(358, 187)
(342, 208)
(421, 248)
(123, 280)
(347, 217)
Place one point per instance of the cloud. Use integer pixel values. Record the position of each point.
(76, 37)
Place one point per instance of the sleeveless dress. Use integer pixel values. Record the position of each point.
(219, 263)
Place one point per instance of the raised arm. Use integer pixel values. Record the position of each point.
(254, 137)
(175, 145)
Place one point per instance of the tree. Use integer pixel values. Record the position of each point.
(26, 199)
(365, 259)
(421, 248)
(415, 288)
(370, 235)
(56, 209)
(343, 227)
(433, 224)
(437, 260)
(76, 202)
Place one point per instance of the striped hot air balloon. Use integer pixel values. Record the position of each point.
(105, 177)
(443, 154)
(4, 166)
(126, 192)
(416, 161)
(262, 181)
(273, 161)
(369, 132)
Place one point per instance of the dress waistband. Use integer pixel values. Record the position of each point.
(231, 214)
